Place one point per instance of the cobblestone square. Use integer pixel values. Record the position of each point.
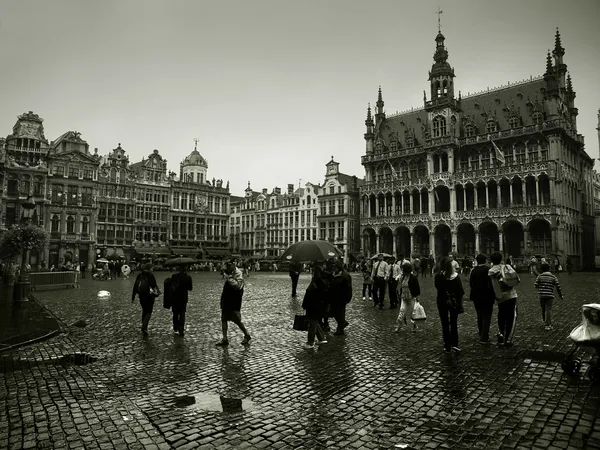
(368, 389)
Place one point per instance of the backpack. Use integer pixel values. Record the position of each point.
(509, 278)
(144, 285)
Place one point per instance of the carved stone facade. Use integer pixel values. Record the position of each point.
(446, 187)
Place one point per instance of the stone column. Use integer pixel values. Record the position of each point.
(451, 162)
(410, 245)
(376, 206)
(476, 243)
(431, 244)
(453, 200)
(499, 195)
(411, 203)
(500, 241)
(464, 198)
(377, 242)
(486, 196)
(475, 198)
(510, 194)
(454, 240)
(394, 243)
(431, 201)
(393, 205)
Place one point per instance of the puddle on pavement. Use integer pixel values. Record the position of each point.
(214, 402)
(7, 364)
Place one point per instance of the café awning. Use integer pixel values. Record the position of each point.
(192, 252)
(158, 251)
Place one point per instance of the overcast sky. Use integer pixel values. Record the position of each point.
(271, 88)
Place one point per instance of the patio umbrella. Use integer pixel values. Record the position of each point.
(385, 255)
(102, 260)
(180, 261)
(311, 251)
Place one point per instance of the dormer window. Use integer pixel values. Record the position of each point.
(410, 141)
(439, 127)
(394, 146)
(537, 118)
(470, 130)
(491, 126)
(514, 122)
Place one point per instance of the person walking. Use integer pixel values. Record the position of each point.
(146, 288)
(181, 284)
(394, 273)
(340, 292)
(82, 269)
(408, 292)
(569, 265)
(367, 280)
(231, 303)
(506, 297)
(450, 294)
(431, 264)
(314, 304)
(483, 298)
(545, 283)
(424, 266)
(295, 269)
(379, 275)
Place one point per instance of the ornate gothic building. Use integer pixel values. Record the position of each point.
(435, 182)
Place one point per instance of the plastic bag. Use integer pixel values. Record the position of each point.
(418, 312)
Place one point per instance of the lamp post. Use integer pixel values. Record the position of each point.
(23, 285)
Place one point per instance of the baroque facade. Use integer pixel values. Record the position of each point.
(96, 206)
(435, 182)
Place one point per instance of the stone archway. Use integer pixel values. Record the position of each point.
(421, 240)
(540, 237)
(489, 238)
(465, 239)
(443, 240)
(369, 242)
(402, 241)
(513, 236)
(386, 240)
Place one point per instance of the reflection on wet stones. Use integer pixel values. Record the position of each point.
(214, 402)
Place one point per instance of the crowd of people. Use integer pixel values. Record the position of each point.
(490, 282)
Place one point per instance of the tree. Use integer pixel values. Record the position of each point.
(21, 241)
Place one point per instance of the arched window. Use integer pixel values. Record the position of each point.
(410, 141)
(537, 117)
(439, 126)
(470, 130)
(55, 223)
(70, 225)
(490, 126)
(514, 122)
(123, 176)
(445, 88)
(438, 90)
(113, 175)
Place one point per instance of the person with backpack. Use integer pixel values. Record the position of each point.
(179, 286)
(545, 283)
(504, 279)
(146, 288)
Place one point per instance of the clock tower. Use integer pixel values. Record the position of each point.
(333, 168)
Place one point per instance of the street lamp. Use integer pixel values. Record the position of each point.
(23, 284)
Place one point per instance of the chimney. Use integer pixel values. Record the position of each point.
(264, 191)
(277, 191)
(290, 189)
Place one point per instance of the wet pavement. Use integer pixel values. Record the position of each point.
(370, 389)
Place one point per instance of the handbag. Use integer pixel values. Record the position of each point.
(300, 322)
(418, 312)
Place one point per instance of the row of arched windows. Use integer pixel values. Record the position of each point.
(55, 224)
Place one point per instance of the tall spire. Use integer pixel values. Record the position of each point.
(558, 48)
(548, 64)
(439, 13)
(379, 114)
(569, 84)
(369, 120)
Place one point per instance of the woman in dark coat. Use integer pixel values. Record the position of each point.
(315, 305)
(450, 293)
(145, 286)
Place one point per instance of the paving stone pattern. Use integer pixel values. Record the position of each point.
(369, 389)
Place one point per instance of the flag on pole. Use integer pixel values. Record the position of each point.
(394, 174)
(498, 154)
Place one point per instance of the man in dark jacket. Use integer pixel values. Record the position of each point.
(145, 286)
(181, 284)
(483, 298)
(295, 269)
(340, 292)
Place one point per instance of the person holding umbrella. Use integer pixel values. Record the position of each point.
(231, 302)
(341, 293)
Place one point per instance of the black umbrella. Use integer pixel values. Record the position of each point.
(385, 255)
(180, 261)
(311, 251)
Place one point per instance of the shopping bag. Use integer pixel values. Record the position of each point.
(418, 312)
(300, 322)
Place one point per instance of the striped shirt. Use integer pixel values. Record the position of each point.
(545, 283)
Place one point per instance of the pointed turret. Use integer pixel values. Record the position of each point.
(558, 48)
(369, 135)
(548, 64)
(550, 78)
(380, 114)
(560, 67)
(441, 76)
